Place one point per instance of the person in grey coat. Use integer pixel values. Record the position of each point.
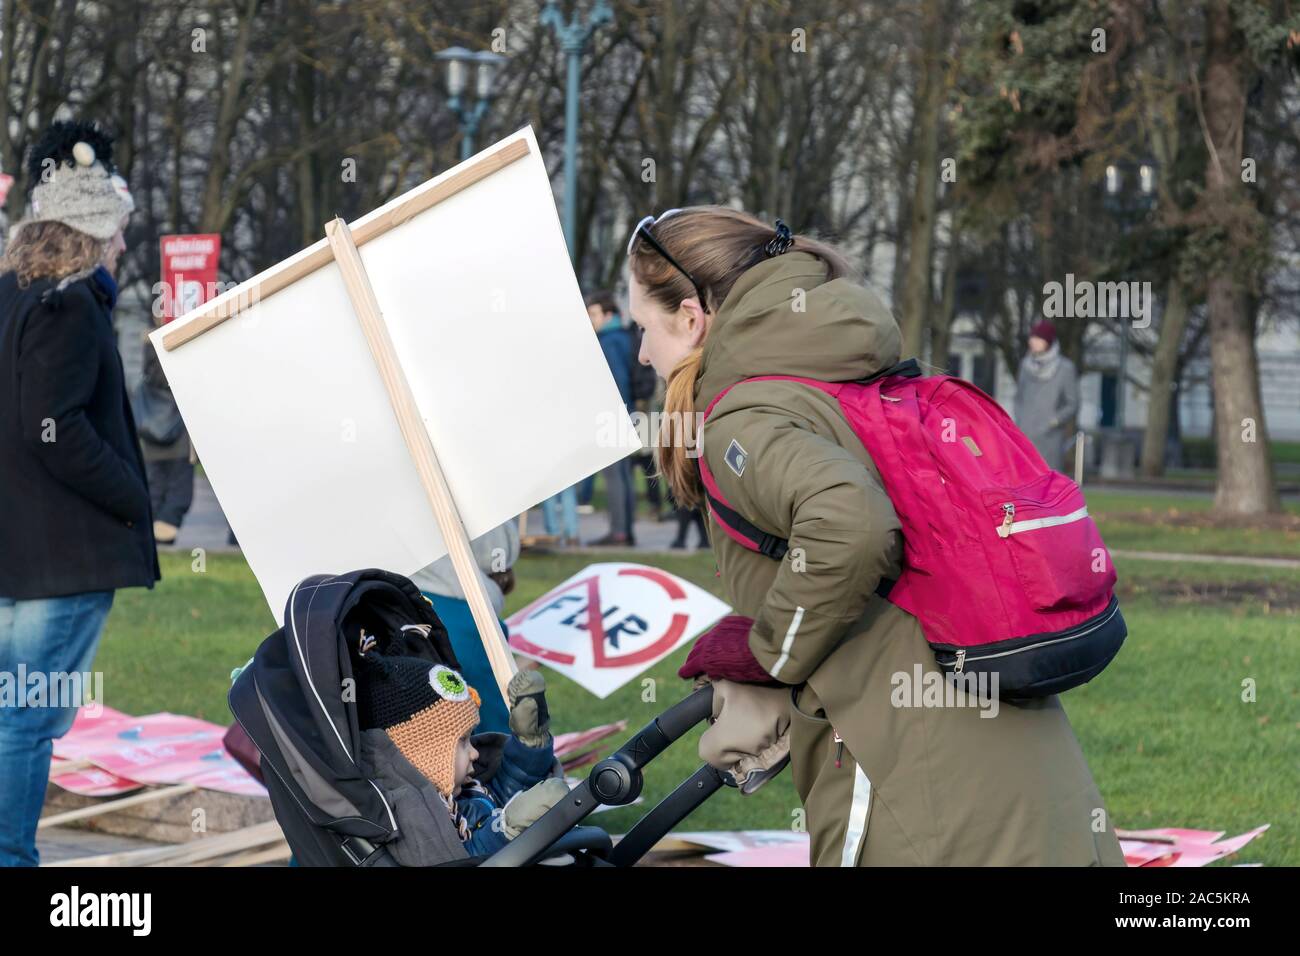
(1047, 395)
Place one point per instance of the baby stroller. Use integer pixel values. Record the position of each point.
(344, 797)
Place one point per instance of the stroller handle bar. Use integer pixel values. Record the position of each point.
(614, 781)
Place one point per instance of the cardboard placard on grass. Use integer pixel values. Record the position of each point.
(611, 621)
(404, 385)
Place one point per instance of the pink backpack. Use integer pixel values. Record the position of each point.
(1002, 566)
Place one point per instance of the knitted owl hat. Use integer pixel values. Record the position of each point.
(424, 708)
(75, 181)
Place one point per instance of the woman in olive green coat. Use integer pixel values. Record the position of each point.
(885, 780)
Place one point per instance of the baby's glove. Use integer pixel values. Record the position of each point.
(530, 721)
(527, 807)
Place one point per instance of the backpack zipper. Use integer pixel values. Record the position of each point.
(1010, 525)
(962, 658)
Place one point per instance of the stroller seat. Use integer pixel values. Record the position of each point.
(347, 797)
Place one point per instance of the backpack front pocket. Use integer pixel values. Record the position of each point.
(1054, 545)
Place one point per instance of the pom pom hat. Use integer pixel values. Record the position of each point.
(75, 182)
(424, 708)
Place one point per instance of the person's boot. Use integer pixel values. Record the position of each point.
(612, 540)
(164, 532)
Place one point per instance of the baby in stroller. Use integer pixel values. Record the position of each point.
(428, 712)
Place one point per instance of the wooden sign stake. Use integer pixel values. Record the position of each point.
(111, 806)
(409, 421)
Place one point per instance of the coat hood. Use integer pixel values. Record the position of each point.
(843, 333)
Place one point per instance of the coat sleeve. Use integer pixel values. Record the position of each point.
(1067, 397)
(58, 366)
(521, 767)
(838, 520)
(486, 832)
(618, 357)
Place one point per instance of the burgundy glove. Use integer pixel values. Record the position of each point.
(722, 653)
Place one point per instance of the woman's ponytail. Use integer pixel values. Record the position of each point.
(677, 440)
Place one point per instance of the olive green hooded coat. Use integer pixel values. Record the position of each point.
(972, 783)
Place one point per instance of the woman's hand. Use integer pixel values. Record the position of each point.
(722, 653)
(749, 735)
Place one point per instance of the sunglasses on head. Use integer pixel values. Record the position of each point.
(642, 231)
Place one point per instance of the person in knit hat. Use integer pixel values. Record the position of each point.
(1047, 395)
(74, 494)
(76, 183)
(429, 712)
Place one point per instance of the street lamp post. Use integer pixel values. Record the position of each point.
(1127, 204)
(573, 37)
(460, 62)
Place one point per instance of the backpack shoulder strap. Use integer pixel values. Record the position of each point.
(751, 536)
(909, 368)
(733, 522)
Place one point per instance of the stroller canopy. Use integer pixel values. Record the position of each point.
(297, 700)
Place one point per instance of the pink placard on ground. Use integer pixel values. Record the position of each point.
(1190, 847)
(1174, 833)
(781, 854)
(728, 841)
(157, 749)
(1140, 853)
(107, 735)
(160, 761)
(570, 742)
(1199, 854)
(91, 782)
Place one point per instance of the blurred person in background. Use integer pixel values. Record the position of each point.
(168, 458)
(1047, 395)
(617, 343)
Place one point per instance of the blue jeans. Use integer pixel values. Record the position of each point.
(568, 501)
(50, 636)
(621, 496)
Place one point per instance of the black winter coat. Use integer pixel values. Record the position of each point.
(74, 501)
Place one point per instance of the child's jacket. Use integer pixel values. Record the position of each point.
(477, 809)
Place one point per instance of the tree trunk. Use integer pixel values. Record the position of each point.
(941, 327)
(309, 217)
(212, 216)
(1164, 366)
(1245, 481)
(917, 299)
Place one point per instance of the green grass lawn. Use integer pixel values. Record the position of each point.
(1165, 730)
(1179, 523)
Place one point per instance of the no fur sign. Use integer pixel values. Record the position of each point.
(609, 622)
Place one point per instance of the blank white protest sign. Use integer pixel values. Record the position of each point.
(297, 434)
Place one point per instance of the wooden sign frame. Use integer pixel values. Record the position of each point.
(340, 246)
